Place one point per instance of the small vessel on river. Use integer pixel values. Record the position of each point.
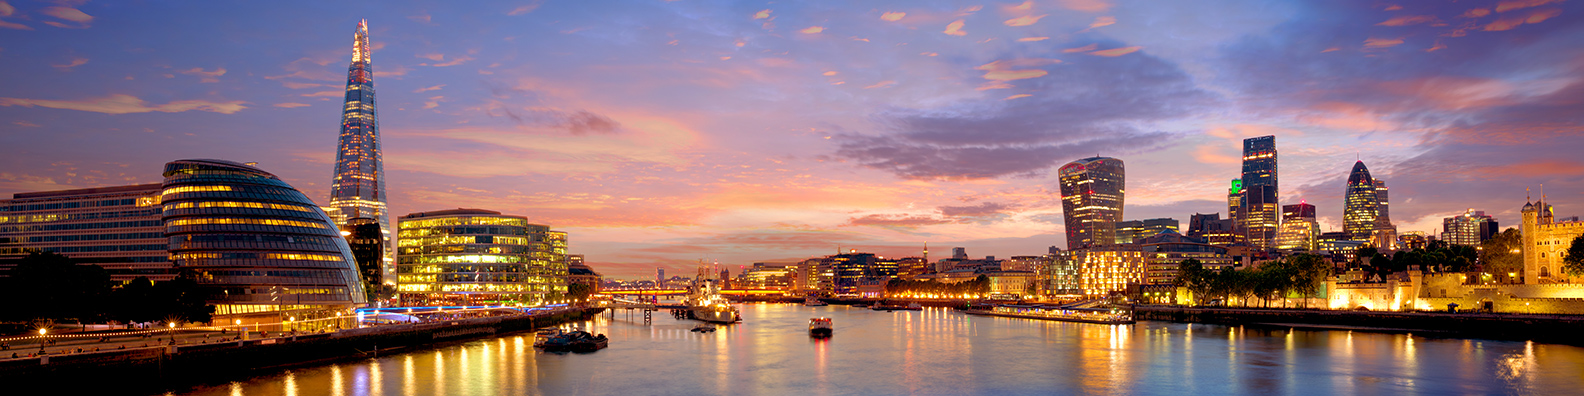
(555, 340)
(820, 327)
(1057, 313)
(909, 307)
(703, 328)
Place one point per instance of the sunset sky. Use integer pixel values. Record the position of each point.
(659, 133)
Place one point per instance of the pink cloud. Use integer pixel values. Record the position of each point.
(1018, 96)
(1085, 5)
(534, 5)
(1025, 20)
(206, 76)
(761, 14)
(1522, 4)
(1532, 18)
(74, 63)
(881, 84)
(1086, 48)
(69, 14)
(892, 16)
(1102, 21)
(1376, 43)
(454, 62)
(955, 28)
(1408, 20)
(812, 30)
(291, 105)
(1114, 52)
(1029, 39)
(127, 104)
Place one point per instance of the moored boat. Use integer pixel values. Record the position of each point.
(703, 328)
(1064, 314)
(910, 307)
(571, 341)
(820, 327)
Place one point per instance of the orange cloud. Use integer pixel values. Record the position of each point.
(993, 85)
(1532, 169)
(1452, 93)
(1532, 18)
(324, 94)
(1213, 154)
(525, 9)
(1393, 7)
(829, 73)
(427, 89)
(1407, 20)
(1086, 48)
(812, 30)
(1437, 46)
(1027, 5)
(67, 13)
(892, 16)
(1024, 20)
(290, 105)
(1373, 42)
(1477, 12)
(1102, 21)
(1005, 70)
(1522, 4)
(881, 84)
(1085, 5)
(454, 62)
(17, 26)
(211, 76)
(433, 57)
(1018, 96)
(762, 14)
(1009, 75)
(1117, 51)
(298, 85)
(1028, 39)
(955, 28)
(74, 63)
(127, 104)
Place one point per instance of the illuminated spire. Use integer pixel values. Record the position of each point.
(360, 44)
(358, 187)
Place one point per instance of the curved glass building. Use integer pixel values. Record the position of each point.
(256, 246)
(1361, 205)
(478, 257)
(1092, 190)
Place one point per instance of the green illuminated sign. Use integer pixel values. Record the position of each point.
(1237, 186)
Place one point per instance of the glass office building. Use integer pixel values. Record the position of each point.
(117, 228)
(1362, 204)
(1260, 199)
(357, 190)
(1092, 191)
(478, 257)
(255, 245)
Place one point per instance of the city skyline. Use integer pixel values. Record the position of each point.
(776, 132)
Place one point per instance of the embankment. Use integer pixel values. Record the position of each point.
(1564, 329)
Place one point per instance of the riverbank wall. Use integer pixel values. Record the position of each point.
(137, 368)
(1563, 329)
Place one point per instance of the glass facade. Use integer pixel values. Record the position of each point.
(1092, 190)
(1133, 230)
(253, 243)
(1260, 199)
(1470, 228)
(1299, 230)
(472, 256)
(367, 240)
(1362, 204)
(358, 188)
(117, 228)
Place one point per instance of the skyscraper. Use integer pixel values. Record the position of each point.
(1235, 210)
(1092, 190)
(1299, 229)
(1362, 205)
(1260, 198)
(1469, 229)
(1385, 235)
(358, 187)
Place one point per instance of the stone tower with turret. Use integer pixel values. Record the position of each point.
(1545, 243)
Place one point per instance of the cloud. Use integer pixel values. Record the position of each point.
(298, 85)
(69, 14)
(25, 124)
(1024, 6)
(1522, 4)
(17, 26)
(210, 76)
(127, 104)
(433, 102)
(582, 122)
(896, 221)
(427, 89)
(1102, 21)
(434, 57)
(1114, 52)
(762, 14)
(892, 16)
(74, 63)
(576, 122)
(1018, 96)
(290, 105)
(1028, 39)
(1407, 20)
(325, 94)
(454, 62)
(812, 30)
(310, 69)
(1003, 70)
(1085, 5)
(6, 9)
(1086, 48)
(1477, 12)
(982, 209)
(1375, 43)
(420, 18)
(1025, 20)
(1513, 22)
(524, 9)
(881, 84)
(955, 28)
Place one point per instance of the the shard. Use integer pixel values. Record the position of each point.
(358, 188)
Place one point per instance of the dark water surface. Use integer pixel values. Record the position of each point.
(943, 352)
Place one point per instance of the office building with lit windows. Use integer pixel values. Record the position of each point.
(1300, 230)
(357, 190)
(1092, 196)
(1132, 230)
(1361, 204)
(1470, 228)
(117, 228)
(1384, 236)
(1103, 270)
(476, 257)
(1260, 200)
(257, 247)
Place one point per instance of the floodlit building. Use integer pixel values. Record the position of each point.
(1545, 243)
(1106, 269)
(118, 228)
(1299, 229)
(1470, 228)
(1260, 202)
(1092, 192)
(257, 247)
(1133, 230)
(1362, 204)
(1058, 277)
(357, 190)
(476, 257)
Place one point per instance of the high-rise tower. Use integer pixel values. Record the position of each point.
(1092, 190)
(1258, 219)
(358, 187)
(1362, 205)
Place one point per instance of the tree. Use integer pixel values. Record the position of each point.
(1502, 254)
(1192, 276)
(1573, 262)
(579, 291)
(47, 285)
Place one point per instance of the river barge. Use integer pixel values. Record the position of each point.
(1110, 316)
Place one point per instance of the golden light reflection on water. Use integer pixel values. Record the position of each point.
(290, 384)
(337, 388)
(409, 376)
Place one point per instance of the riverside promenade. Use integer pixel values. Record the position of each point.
(123, 362)
(1563, 329)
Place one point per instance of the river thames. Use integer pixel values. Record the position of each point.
(942, 352)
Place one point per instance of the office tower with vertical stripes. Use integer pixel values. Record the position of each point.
(358, 188)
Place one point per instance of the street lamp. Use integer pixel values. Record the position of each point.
(41, 341)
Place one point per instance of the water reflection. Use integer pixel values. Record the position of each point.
(940, 351)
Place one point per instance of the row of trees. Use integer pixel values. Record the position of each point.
(978, 286)
(1298, 276)
(49, 286)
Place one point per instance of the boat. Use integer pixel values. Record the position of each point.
(820, 327)
(813, 300)
(910, 307)
(703, 328)
(705, 303)
(1057, 313)
(571, 341)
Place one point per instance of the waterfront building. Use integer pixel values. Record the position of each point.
(257, 248)
(1362, 204)
(1164, 253)
(358, 187)
(118, 228)
(476, 257)
(1103, 270)
(1133, 230)
(848, 269)
(1258, 218)
(1470, 228)
(911, 267)
(1023, 263)
(367, 240)
(659, 275)
(1092, 192)
(771, 276)
(1058, 278)
(1545, 243)
(1018, 283)
(579, 273)
(1299, 229)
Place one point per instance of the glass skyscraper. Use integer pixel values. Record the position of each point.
(255, 245)
(1362, 205)
(1092, 191)
(474, 256)
(1260, 200)
(358, 187)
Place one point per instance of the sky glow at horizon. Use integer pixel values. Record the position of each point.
(661, 133)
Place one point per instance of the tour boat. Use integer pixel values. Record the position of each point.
(1064, 314)
(820, 327)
